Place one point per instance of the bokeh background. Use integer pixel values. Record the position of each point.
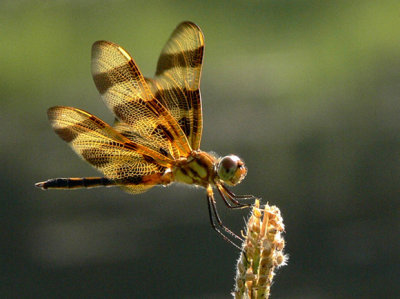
(306, 92)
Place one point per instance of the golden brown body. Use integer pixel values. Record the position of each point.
(198, 169)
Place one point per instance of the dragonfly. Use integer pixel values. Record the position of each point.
(155, 138)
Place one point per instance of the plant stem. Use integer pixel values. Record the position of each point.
(262, 253)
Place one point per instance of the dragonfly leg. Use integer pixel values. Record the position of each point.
(213, 213)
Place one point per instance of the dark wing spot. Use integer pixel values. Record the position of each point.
(181, 94)
(154, 106)
(106, 80)
(194, 98)
(66, 134)
(132, 146)
(102, 82)
(148, 159)
(161, 130)
(163, 152)
(95, 157)
(184, 123)
(120, 110)
(167, 61)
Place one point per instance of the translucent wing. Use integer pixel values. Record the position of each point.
(130, 164)
(177, 81)
(129, 132)
(127, 94)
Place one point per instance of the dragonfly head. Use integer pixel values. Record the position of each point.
(231, 170)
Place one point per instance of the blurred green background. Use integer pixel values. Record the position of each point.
(306, 92)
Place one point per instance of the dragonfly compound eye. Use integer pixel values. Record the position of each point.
(231, 170)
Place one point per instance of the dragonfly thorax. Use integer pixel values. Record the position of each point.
(198, 169)
(201, 168)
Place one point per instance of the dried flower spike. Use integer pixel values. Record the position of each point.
(262, 252)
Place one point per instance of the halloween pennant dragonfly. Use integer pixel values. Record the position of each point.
(155, 139)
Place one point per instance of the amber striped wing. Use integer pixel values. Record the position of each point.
(126, 162)
(128, 95)
(177, 81)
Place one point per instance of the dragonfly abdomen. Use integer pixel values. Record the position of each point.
(73, 183)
